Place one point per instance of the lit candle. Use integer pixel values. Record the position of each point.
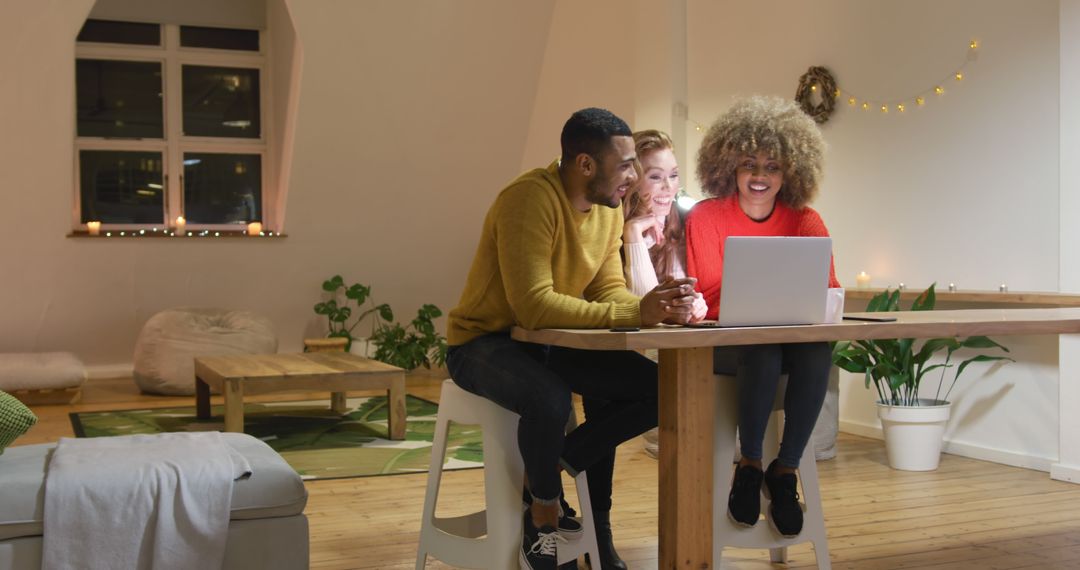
(862, 280)
(181, 225)
(254, 228)
(93, 228)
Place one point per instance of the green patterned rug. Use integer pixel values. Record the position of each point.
(316, 442)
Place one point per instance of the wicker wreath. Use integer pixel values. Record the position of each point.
(817, 78)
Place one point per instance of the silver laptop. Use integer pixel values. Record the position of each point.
(775, 281)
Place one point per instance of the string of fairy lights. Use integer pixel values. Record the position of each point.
(179, 229)
(155, 232)
(899, 105)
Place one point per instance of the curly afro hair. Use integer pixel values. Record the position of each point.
(770, 124)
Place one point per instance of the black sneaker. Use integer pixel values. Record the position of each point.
(539, 550)
(785, 512)
(569, 524)
(744, 501)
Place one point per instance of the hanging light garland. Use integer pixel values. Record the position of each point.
(917, 100)
(898, 106)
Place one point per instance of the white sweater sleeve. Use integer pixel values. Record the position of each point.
(640, 274)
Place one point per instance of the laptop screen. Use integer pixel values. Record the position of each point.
(774, 280)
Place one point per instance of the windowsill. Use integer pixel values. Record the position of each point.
(190, 234)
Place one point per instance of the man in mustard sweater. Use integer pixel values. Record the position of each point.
(549, 258)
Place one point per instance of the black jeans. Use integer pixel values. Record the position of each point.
(757, 369)
(536, 382)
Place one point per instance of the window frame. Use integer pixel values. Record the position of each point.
(172, 58)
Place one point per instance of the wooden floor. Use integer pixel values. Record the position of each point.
(967, 514)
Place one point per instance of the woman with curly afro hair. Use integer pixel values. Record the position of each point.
(761, 163)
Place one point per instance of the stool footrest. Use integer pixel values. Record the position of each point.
(472, 525)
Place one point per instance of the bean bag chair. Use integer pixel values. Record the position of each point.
(170, 341)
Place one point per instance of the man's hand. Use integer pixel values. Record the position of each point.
(670, 302)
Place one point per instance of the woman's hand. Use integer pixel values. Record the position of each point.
(636, 229)
(699, 308)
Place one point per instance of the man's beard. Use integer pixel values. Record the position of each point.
(594, 194)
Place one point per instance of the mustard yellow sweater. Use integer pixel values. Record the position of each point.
(541, 263)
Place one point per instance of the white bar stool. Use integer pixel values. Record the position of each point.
(490, 538)
(761, 535)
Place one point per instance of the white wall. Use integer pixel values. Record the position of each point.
(964, 190)
(588, 62)
(627, 57)
(931, 195)
(234, 13)
(411, 118)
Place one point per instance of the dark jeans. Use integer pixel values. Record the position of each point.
(757, 369)
(536, 381)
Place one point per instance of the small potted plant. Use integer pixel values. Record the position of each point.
(414, 345)
(405, 346)
(913, 426)
(345, 310)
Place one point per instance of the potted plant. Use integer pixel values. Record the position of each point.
(344, 310)
(405, 346)
(411, 346)
(913, 426)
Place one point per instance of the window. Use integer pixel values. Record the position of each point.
(170, 122)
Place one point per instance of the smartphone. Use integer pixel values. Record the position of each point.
(704, 325)
(871, 319)
(625, 329)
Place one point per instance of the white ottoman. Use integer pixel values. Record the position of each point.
(169, 342)
(42, 377)
(267, 527)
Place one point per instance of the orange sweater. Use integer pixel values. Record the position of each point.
(712, 221)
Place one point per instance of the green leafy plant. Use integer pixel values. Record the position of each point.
(344, 310)
(406, 346)
(414, 345)
(896, 367)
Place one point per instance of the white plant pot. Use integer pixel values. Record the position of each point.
(361, 347)
(914, 434)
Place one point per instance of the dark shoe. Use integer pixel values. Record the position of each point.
(744, 501)
(609, 559)
(539, 546)
(569, 524)
(785, 512)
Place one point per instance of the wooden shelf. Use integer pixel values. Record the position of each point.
(1044, 299)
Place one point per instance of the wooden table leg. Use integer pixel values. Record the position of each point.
(234, 405)
(686, 458)
(202, 399)
(338, 403)
(396, 401)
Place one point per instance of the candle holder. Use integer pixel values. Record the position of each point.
(901, 286)
(862, 280)
(952, 287)
(93, 227)
(1003, 288)
(254, 229)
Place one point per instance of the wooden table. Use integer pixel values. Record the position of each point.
(337, 372)
(687, 396)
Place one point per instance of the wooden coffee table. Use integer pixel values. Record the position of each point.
(237, 375)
